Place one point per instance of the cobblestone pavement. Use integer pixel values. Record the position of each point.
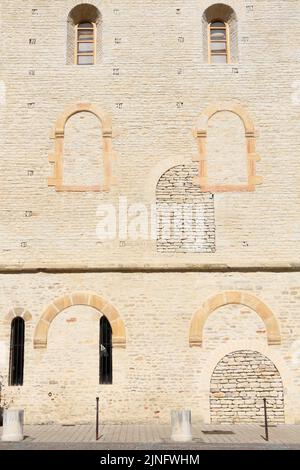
(154, 436)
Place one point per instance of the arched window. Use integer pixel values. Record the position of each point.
(220, 34)
(84, 35)
(16, 361)
(105, 346)
(86, 43)
(218, 38)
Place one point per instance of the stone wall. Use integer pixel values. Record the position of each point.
(239, 384)
(157, 370)
(154, 82)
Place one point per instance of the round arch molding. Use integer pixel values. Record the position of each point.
(80, 298)
(238, 110)
(234, 297)
(104, 118)
(252, 156)
(58, 136)
(18, 312)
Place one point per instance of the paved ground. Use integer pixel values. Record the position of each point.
(144, 447)
(155, 436)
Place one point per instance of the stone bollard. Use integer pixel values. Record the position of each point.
(181, 422)
(13, 425)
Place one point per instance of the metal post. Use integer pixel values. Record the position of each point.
(266, 420)
(97, 418)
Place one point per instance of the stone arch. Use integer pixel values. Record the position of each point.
(58, 136)
(274, 356)
(252, 156)
(84, 11)
(219, 10)
(18, 312)
(210, 111)
(80, 298)
(234, 297)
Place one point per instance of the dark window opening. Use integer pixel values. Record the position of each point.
(16, 361)
(105, 352)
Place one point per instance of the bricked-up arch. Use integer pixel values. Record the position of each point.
(239, 383)
(234, 297)
(56, 159)
(252, 157)
(80, 298)
(273, 354)
(185, 215)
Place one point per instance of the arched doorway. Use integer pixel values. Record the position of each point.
(238, 385)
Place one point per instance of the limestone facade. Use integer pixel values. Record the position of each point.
(151, 123)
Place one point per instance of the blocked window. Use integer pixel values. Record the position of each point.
(105, 346)
(82, 157)
(220, 36)
(16, 360)
(185, 215)
(239, 383)
(84, 35)
(226, 150)
(83, 151)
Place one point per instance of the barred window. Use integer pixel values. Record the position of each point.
(16, 361)
(105, 373)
